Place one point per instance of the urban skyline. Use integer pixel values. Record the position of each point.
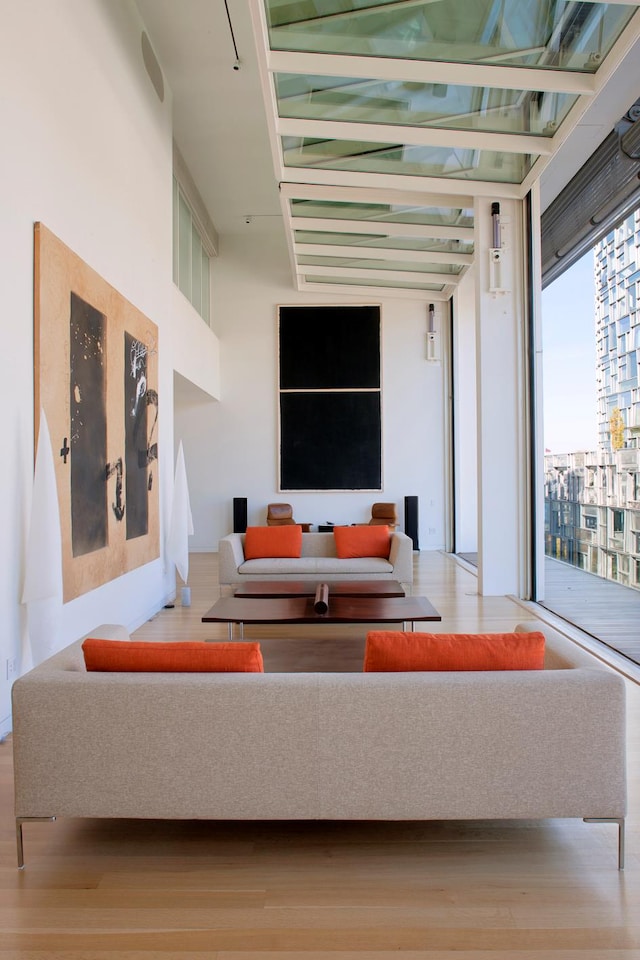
(592, 492)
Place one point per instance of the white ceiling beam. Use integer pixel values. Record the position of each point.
(361, 273)
(287, 220)
(261, 33)
(382, 229)
(414, 136)
(362, 293)
(346, 178)
(359, 194)
(431, 71)
(381, 253)
(373, 293)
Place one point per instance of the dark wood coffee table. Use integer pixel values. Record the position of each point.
(287, 610)
(304, 588)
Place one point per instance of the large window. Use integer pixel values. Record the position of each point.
(191, 259)
(591, 328)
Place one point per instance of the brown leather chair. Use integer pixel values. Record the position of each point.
(279, 514)
(384, 513)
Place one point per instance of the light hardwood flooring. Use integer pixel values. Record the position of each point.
(136, 890)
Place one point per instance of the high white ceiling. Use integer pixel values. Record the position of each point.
(228, 135)
(218, 112)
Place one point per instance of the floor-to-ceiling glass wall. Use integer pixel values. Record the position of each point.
(591, 348)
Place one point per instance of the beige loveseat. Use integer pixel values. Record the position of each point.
(350, 746)
(319, 561)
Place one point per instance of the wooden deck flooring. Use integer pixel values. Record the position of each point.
(607, 611)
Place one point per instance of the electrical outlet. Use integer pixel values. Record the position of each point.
(432, 531)
(12, 667)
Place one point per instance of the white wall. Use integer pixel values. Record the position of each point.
(87, 150)
(231, 447)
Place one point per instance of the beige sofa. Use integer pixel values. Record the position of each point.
(350, 746)
(319, 561)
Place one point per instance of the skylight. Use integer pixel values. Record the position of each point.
(390, 116)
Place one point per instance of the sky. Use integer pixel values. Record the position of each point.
(569, 360)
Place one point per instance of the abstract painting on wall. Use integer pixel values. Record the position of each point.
(330, 397)
(96, 376)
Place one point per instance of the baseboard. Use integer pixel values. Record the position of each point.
(145, 617)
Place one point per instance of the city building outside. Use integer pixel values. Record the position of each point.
(592, 497)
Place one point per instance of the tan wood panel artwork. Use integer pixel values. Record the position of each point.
(96, 377)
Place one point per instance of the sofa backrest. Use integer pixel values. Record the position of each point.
(318, 545)
(560, 652)
(357, 746)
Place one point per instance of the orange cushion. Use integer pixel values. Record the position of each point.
(284, 541)
(139, 656)
(388, 650)
(367, 541)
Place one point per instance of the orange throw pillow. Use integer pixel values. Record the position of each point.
(284, 541)
(138, 656)
(388, 650)
(365, 541)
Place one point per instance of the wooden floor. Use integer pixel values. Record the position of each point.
(100, 890)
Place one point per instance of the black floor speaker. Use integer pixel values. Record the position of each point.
(239, 514)
(411, 519)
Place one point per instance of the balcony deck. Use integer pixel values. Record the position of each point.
(607, 611)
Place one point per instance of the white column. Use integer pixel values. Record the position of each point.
(465, 425)
(501, 399)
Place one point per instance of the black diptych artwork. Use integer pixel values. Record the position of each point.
(330, 399)
(88, 427)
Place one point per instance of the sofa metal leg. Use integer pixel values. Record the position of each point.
(19, 822)
(620, 822)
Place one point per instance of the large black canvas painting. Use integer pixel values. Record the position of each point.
(330, 398)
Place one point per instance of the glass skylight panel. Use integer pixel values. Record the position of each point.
(441, 105)
(382, 213)
(396, 265)
(397, 284)
(456, 163)
(388, 243)
(558, 34)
